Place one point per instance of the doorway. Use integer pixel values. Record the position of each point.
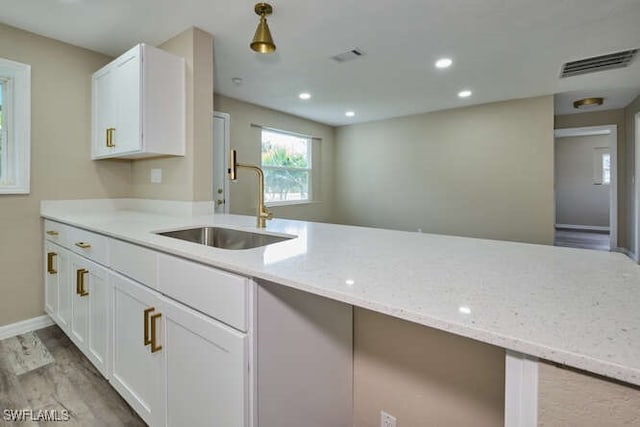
(586, 207)
(220, 159)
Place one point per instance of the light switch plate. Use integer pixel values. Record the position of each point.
(156, 176)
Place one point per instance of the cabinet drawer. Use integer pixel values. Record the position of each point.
(221, 295)
(136, 262)
(56, 232)
(91, 245)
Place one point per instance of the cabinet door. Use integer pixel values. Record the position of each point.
(66, 289)
(103, 111)
(96, 283)
(90, 307)
(136, 370)
(205, 369)
(127, 91)
(52, 274)
(79, 304)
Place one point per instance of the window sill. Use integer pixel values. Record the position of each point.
(291, 203)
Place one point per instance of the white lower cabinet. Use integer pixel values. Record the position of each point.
(55, 272)
(206, 361)
(176, 366)
(186, 344)
(136, 370)
(58, 285)
(90, 310)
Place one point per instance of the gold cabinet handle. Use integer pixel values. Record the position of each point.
(147, 340)
(79, 273)
(83, 245)
(52, 233)
(83, 291)
(154, 346)
(50, 268)
(110, 143)
(80, 282)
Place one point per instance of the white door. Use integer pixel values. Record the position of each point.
(136, 370)
(206, 361)
(103, 111)
(51, 278)
(127, 89)
(220, 161)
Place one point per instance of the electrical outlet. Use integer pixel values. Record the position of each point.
(156, 176)
(387, 420)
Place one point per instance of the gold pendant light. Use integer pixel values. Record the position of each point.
(262, 41)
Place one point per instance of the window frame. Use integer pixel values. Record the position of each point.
(16, 122)
(308, 169)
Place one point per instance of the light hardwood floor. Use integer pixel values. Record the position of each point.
(45, 371)
(582, 239)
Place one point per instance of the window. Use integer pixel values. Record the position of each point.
(15, 126)
(602, 166)
(606, 168)
(286, 161)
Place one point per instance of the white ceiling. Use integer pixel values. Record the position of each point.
(613, 99)
(502, 49)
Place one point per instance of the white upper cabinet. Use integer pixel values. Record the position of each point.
(138, 105)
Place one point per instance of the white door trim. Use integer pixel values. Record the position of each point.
(521, 390)
(636, 192)
(227, 147)
(612, 131)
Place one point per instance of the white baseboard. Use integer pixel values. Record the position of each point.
(627, 252)
(25, 326)
(582, 227)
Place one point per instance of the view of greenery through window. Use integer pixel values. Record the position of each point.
(286, 161)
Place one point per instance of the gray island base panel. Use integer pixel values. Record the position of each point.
(570, 306)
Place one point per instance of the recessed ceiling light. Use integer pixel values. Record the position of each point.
(237, 81)
(350, 113)
(304, 95)
(350, 282)
(444, 63)
(464, 93)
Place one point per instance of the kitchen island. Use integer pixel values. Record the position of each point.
(569, 306)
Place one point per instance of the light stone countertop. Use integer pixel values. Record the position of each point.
(576, 307)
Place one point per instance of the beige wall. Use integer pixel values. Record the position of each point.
(246, 139)
(61, 167)
(572, 398)
(188, 177)
(422, 376)
(610, 117)
(630, 163)
(578, 200)
(482, 171)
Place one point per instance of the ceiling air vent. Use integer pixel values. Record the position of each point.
(348, 55)
(599, 63)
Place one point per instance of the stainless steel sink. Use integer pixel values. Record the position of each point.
(224, 238)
